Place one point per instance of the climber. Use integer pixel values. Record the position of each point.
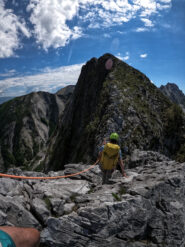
(109, 155)
(11, 236)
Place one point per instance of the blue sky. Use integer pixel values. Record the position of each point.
(44, 43)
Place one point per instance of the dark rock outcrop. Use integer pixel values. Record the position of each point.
(145, 209)
(172, 91)
(123, 100)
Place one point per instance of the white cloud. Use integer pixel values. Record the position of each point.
(10, 29)
(48, 80)
(77, 33)
(49, 18)
(144, 55)
(141, 29)
(56, 22)
(147, 7)
(119, 56)
(165, 1)
(8, 73)
(147, 22)
(125, 57)
(163, 6)
(107, 13)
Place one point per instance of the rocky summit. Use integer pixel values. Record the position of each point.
(42, 131)
(145, 209)
(117, 99)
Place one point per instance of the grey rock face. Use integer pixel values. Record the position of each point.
(26, 124)
(57, 206)
(66, 92)
(40, 210)
(16, 213)
(145, 209)
(141, 158)
(172, 91)
(148, 212)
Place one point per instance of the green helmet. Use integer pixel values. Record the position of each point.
(114, 136)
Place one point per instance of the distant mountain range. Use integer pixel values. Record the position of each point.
(45, 131)
(26, 124)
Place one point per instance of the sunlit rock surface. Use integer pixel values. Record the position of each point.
(145, 209)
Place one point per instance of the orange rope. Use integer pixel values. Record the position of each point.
(56, 177)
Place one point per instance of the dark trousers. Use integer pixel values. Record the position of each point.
(107, 174)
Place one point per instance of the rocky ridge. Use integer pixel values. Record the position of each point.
(43, 131)
(123, 100)
(145, 209)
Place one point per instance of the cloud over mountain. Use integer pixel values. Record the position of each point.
(49, 80)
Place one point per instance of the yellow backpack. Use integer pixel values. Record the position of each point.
(110, 155)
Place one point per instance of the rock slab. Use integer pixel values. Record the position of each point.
(145, 209)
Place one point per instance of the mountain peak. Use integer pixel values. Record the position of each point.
(111, 96)
(172, 91)
(69, 126)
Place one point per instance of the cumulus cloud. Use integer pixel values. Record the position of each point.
(51, 18)
(56, 22)
(108, 13)
(48, 80)
(144, 55)
(147, 22)
(11, 27)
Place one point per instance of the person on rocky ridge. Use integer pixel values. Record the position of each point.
(11, 236)
(109, 155)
